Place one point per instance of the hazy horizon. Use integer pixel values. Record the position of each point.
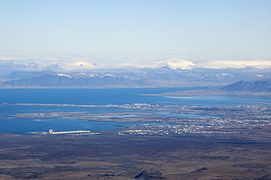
(105, 34)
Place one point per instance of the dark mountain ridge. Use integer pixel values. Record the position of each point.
(255, 86)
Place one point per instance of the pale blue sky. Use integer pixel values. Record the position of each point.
(137, 29)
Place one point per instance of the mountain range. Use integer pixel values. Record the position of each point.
(229, 79)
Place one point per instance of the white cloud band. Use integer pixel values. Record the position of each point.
(238, 64)
(81, 64)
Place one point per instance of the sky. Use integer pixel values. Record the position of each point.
(185, 33)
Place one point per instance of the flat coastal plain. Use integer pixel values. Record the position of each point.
(246, 155)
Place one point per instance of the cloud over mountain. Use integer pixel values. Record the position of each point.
(180, 64)
(238, 64)
(78, 65)
(217, 64)
(87, 63)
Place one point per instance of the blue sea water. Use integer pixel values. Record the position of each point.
(11, 98)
